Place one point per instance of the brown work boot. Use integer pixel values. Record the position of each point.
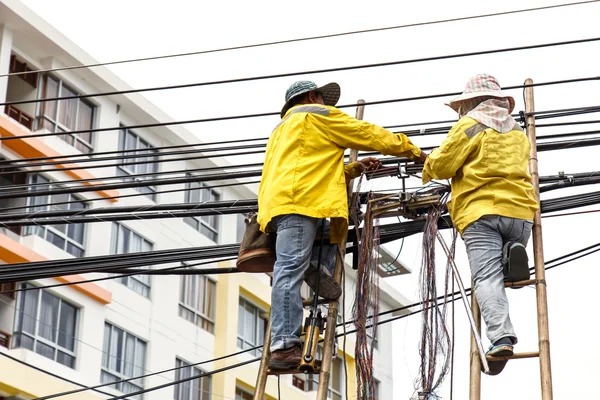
(329, 289)
(286, 359)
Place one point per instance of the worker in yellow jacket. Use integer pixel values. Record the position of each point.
(486, 155)
(304, 183)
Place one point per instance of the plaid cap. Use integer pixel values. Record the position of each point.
(330, 92)
(482, 85)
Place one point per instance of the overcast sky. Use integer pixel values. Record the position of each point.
(114, 30)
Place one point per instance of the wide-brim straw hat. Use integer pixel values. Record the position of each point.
(482, 85)
(330, 92)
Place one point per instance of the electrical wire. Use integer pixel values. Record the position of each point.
(287, 41)
(172, 270)
(125, 196)
(3, 354)
(311, 72)
(547, 146)
(444, 299)
(577, 254)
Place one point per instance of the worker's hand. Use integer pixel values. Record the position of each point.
(422, 158)
(369, 163)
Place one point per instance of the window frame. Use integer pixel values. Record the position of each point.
(198, 315)
(126, 172)
(256, 317)
(312, 380)
(54, 120)
(242, 392)
(127, 280)
(122, 359)
(194, 371)
(36, 337)
(47, 206)
(203, 221)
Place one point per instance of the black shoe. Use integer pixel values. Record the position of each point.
(286, 359)
(502, 347)
(515, 262)
(329, 289)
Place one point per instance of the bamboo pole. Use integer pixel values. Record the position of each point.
(475, 380)
(261, 377)
(332, 313)
(538, 253)
(475, 328)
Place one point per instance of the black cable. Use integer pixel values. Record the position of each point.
(453, 295)
(61, 394)
(54, 375)
(119, 164)
(129, 185)
(147, 153)
(447, 298)
(125, 196)
(569, 183)
(286, 41)
(44, 269)
(289, 74)
(216, 205)
(558, 145)
(127, 272)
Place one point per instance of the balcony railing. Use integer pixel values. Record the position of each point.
(4, 339)
(20, 116)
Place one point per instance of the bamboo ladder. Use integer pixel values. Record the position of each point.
(332, 313)
(540, 280)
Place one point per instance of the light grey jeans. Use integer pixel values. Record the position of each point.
(294, 246)
(484, 240)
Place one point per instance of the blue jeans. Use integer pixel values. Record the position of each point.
(294, 247)
(484, 240)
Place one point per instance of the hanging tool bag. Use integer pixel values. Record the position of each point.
(257, 250)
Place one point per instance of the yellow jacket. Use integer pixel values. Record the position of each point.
(304, 169)
(488, 170)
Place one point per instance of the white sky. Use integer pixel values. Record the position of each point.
(114, 30)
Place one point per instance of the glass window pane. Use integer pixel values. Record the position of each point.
(65, 359)
(50, 91)
(129, 356)
(44, 350)
(66, 334)
(48, 317)
(116, 350)
(26, 318)
(106, 346)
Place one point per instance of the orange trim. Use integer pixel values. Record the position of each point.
(88, 288)
(12, 252)
(32, 147)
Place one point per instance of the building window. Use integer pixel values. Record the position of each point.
(124, 356)
(377, 389)
(299, 382)
(240, 227)
(131, 141)
(241, 394)
(124, 240)
(251, 327)
(197, 389)
(335, 381)
(208, 225)
(46, 324)
(68, 237)
(197, 301)
(66, 115)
